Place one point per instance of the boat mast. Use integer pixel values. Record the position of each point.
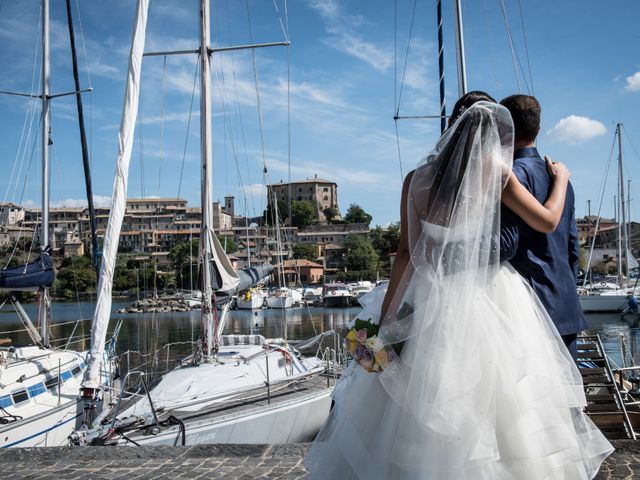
(622, 229)
(443, 105)
(462, 71)
(43, 305)
(206, 312)
(83, 142)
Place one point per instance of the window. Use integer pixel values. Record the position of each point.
(5, 401)
(51, 383)
(20, 396)
(325, 189)
(326, 198)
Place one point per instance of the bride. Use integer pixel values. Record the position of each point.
(484, 387)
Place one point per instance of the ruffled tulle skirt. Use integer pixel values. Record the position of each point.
(484, 389)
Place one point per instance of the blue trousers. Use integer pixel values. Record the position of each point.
(571, 342)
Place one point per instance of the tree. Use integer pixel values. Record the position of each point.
(74, 275)
(270, 214)
(385, 242)
(360, 254)
(185, 259)
(184, 253)
(356, 214)
(330, 213)
(306, 252)
(228, 243)
(302, 213)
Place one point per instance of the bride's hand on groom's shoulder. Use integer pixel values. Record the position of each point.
(557, 170)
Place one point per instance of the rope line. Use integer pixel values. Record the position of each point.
(526, 46)
(163, 94)
(511, 45)
(186, 137)
(602, 187)
(255, 78)
(406, 57)
(399, 154)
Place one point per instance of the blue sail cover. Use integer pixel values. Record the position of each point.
(31, 276)
(249, 277)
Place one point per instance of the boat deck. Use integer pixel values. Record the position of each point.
(245, 402)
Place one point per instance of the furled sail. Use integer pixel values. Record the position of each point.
(223, 277)
(251, 276)
(102, 313)
(248, 278)
(33, 275)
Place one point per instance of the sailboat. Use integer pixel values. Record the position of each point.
(233, 388)
(613, 299)
(39, 404)
(281, 297)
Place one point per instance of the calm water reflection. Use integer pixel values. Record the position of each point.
(149, 332)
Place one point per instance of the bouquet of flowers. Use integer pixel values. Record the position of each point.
(367, 348)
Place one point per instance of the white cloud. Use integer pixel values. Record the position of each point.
(633, 83)
(576, 129)
(340, 27)
(341, 175)
(99, 201)
(355, 46)
(327, 8)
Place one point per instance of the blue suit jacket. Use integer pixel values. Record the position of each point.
(549, 262)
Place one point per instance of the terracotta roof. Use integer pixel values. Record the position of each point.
(301, 262)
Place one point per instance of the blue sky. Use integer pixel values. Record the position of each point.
(347, 62)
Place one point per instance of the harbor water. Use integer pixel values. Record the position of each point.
(146, 333)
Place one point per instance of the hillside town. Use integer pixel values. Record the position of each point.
(314, 242)
(314, 239)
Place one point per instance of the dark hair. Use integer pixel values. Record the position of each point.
(525, 112)
(455, 171)
(466, 101)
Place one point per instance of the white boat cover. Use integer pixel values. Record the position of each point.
(118, 200)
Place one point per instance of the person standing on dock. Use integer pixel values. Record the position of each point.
(547, 261)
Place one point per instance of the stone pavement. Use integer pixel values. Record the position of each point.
(232, 462)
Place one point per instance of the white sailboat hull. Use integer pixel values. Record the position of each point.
(602, 303)
(49, 429)
(254, 302)
(295, 421)
(258, 391)
(40, 396)
(279, 302)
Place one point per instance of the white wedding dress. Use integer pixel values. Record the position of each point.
(484, 387)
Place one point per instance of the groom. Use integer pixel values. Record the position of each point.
(549, 262)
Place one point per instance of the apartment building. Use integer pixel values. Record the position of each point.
(320, 193)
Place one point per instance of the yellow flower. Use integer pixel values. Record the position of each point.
(351, 336)
(352, 346)
(382, 358)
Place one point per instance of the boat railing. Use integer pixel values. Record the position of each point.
(125, 380)
(616, 383)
